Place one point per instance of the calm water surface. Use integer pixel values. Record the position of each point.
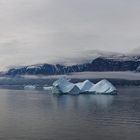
(36, 115)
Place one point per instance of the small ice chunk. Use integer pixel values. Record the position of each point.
(29, 87)
(47, 88)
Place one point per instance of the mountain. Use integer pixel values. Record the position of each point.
(116, 62)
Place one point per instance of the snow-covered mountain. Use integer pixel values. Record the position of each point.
(103, 62)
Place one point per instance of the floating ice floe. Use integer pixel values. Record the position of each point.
(63, 86)
(47, 88)
(29, 87)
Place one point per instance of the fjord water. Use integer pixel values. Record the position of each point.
(37, 115)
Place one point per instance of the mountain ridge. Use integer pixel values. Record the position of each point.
(101, 63)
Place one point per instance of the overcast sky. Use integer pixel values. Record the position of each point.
(38, 31)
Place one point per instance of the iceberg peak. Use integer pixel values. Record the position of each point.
(103, 87)
(85, 86)
(62, 85)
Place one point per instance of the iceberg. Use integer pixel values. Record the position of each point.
(103, 87)
(63, 86)
(84, 86)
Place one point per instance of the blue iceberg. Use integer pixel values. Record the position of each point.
(64, 86)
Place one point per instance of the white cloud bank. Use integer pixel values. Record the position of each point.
(37, 31)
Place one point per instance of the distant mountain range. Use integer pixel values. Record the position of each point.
(113, 62)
